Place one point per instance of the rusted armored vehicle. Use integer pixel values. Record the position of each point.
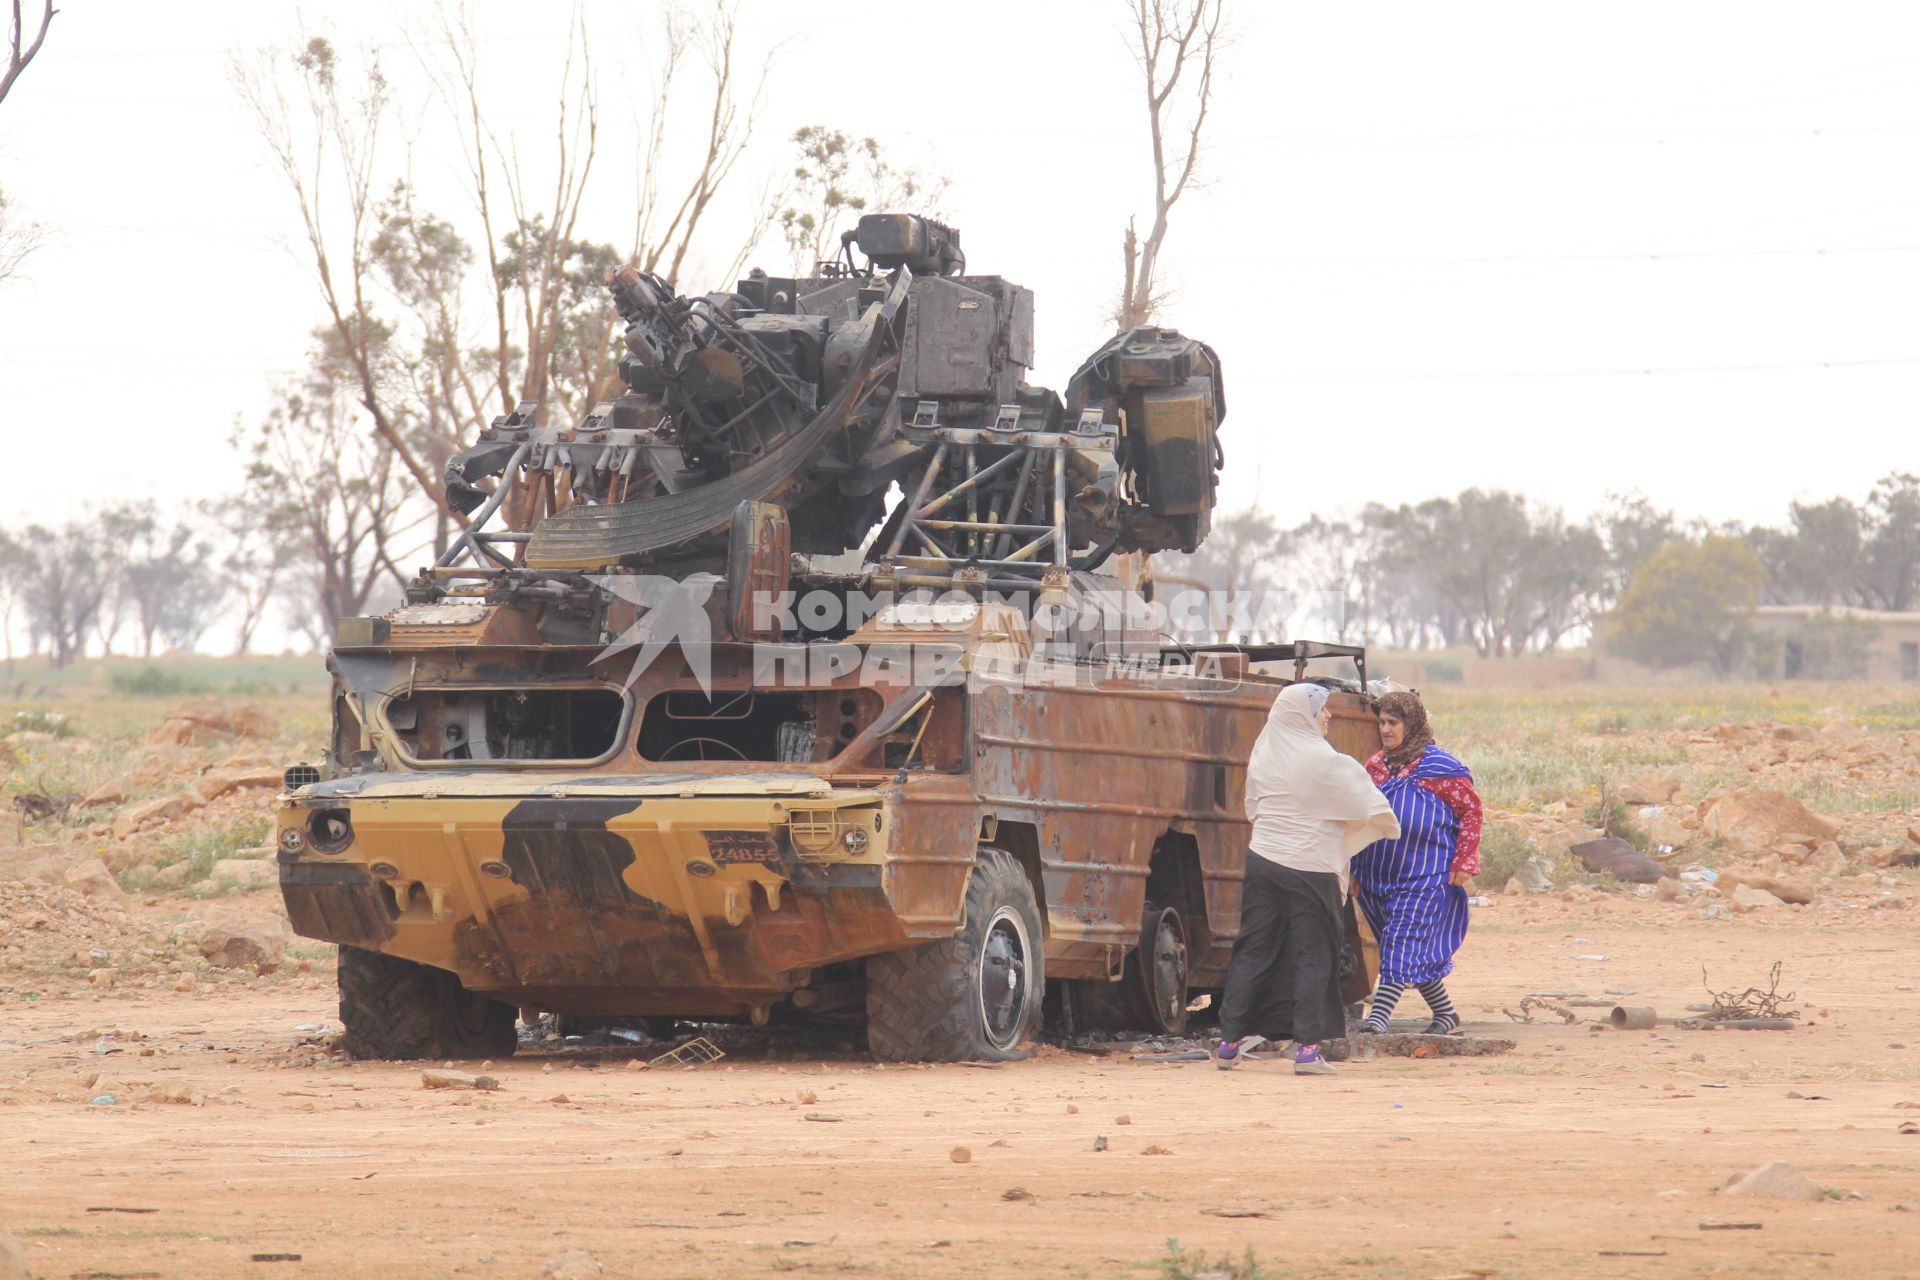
(695, 720)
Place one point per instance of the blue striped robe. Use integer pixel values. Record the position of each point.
(1401, 884)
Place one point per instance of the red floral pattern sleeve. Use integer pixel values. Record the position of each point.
(1377, 767)
(1465, 803)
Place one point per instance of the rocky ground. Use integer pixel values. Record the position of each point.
(233, 1134)
(144, 959)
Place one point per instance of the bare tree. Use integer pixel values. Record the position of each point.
(67, 576)
(257, 558)
(402, 286)
(15, 565)
(334, 501)
(20, 47)
(166, 574)
(838, 176)
(1175, 43)
(334, 136)
(18, 236)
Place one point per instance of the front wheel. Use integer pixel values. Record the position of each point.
(397, 1009)
(972, 997)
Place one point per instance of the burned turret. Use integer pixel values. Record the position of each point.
(873, 420)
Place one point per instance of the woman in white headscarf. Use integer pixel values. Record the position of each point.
(1312, 809)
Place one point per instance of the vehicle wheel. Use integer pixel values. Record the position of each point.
(1152, 993)
(394, 1008)
(974, 996)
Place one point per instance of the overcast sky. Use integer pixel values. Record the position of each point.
(1563, 249)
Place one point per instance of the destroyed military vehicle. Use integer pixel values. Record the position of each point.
(694, 721)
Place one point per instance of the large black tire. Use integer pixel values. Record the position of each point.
(973, 997)
(1152, 993)
(396, 1009)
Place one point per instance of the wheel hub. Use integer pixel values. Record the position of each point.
(1003, 978)
(1167, 973)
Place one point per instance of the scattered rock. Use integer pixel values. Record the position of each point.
(1779, 1180)
(1651, 788)
(1670, 830)
(13, 1259)
(1614, 857)
(960, 1155)
(105, 794)
(1155, 1150)
(219, 782)
(1754, 821)
(100, 977)
(177, 1094)
(252, 873)
(163, 809)
(121, 858)
(1669, 890)
(203, 724)
(1123, 1119)
(1784, 890)
(172, 877)
(235, 945)
(457, 1080)
(575, 1264)
(1748, 898)
(92, 879)
(1018, 1193)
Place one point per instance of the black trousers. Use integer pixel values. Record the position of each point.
(1284, 979)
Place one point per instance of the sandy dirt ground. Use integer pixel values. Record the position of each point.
(1583, 1153)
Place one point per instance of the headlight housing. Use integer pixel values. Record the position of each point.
(329, 830)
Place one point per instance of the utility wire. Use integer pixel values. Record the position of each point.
(1625, 372)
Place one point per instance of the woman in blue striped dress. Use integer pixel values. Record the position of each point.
(1413, 888)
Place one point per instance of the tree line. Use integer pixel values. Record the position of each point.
(323, 525)
(1494, 572)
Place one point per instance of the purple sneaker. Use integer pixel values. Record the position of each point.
(1228, 1053)
(1310, 1063)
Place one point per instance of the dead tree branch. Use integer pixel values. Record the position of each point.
(20, 50)
(1173, 41)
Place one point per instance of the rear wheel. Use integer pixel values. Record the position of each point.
(972, 997)
(397, 1009)
(1152, 993)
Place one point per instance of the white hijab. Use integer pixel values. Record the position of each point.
(1312, 808)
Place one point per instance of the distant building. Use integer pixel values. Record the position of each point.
(1812, 642)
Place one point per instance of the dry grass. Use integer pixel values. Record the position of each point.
(1529, 747)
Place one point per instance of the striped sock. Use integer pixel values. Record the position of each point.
(1385, 996)
(1444, 1017)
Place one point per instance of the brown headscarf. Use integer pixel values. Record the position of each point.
(1406, 707)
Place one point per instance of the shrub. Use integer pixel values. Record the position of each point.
(41, 722)
(1503, 852)
(150, 681)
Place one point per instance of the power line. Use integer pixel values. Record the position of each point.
(1644, 371)
(1498, 259)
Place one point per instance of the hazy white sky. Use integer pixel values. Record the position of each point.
(1561, 249)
